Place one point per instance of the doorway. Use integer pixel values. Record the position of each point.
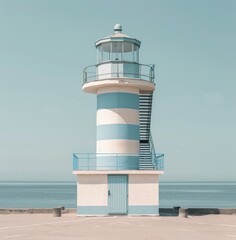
(118, 194)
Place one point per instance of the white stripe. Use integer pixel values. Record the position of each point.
(117, 116)
(118, 146)
(118, 89)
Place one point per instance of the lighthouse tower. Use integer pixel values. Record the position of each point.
(121, 177)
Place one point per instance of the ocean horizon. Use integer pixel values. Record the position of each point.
(48, 194)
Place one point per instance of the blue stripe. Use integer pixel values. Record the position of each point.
(144, 209)
(117, 162)
(103, 210)
(118, 100)
(92, 210)
(118, 131)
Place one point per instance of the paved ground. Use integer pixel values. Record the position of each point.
(45, 227)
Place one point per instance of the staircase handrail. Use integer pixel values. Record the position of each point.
(152, 150)
(152, 147)
(159, 161)
(157, 158)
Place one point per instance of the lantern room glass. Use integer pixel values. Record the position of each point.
(118, 51)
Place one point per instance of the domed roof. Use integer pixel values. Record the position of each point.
(117, 36)
(117, 28)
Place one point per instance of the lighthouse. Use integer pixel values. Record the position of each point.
(121, 176)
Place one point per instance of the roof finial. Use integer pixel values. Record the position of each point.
(118, 28)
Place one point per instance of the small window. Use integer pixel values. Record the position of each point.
(104, 52)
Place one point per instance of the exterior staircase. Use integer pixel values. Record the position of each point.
(145, 111)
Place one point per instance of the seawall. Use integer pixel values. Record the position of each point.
(33, 210)
(196, 211)
(163, 211)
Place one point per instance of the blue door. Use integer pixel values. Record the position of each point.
(117, 194)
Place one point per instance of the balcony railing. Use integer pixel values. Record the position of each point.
(131, 70)
(158, 161)
(88, 161)
(157, 158)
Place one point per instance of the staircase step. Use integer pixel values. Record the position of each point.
(145, 108)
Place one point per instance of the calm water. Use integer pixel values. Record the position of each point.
(195, 194)
(51, 194)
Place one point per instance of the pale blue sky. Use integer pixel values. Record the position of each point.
(45, 116)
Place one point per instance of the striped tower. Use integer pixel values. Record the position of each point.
(118, 82)
(118, 128)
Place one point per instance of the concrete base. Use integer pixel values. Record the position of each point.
(142, 193)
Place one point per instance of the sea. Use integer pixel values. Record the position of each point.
(53, 194)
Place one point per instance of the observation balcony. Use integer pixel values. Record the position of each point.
(87, 162)
(118, 69)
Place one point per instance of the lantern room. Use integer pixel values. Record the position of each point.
(118, 55)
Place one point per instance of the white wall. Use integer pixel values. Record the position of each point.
(143, 190)
(92, 190)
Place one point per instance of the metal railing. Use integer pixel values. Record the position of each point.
(157, 158)
(144, 72)
(158, 161)
(152, 150)
(88, 161)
